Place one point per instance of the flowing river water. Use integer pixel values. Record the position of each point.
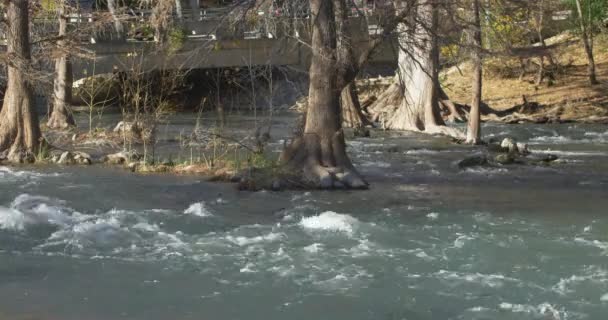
(427, 241)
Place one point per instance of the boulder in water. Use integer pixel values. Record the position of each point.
(522, 148)
(509, 145)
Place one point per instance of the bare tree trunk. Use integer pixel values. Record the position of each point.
(61, 116)
(585, 37)
(118, 27)
(178, 10)
(352, 115)
(473, 129)
(413, 103)
(20, 135)
(161, 17)
(540, 20)
(319, 154)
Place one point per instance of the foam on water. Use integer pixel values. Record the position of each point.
(593, 243)
(10, 174)
(552, 139)
(570, 153)
(424, 152)
(590, 137)
(330, 221)
(433, 216)
(461, 241)
(590, 275)
(597, 134)
(375, 164)
(485, 171)
(245, 241)
(198, 209)
(12, 219)
(486, 280)
(313, 248)
(544, 310)
(32, 210)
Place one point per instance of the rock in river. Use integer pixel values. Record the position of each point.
(473, 161)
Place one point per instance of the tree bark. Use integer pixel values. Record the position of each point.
(118, 27)
(61, 116)
(473, 128)
(178, 10)
(319, 154)
(352, 114)
(413, 102)
(20, 135)
(161, 17)
(586, 39)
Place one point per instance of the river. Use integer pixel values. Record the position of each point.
(427, 241)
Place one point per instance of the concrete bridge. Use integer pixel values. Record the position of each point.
(208, 40)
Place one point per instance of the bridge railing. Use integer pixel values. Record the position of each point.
(205, 24)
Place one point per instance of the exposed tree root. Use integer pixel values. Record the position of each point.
(394, 112)
(60, 120)
(452, 112)
(352, 113)
(321, 163)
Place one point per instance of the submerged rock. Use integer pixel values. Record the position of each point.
(542, 159)
(473, 161)
(504, 158)
(362, 132)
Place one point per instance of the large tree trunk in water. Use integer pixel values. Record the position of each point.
(319, 154)
(20, 135)
(473, 128)
(587, 43)
(61, 116)
(412, 103)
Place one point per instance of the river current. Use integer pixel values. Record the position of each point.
(427, 241)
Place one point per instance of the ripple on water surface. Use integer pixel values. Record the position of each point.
(479, 265)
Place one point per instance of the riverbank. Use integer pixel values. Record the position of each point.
(568, 93)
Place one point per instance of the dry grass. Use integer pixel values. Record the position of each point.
(570, 89)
